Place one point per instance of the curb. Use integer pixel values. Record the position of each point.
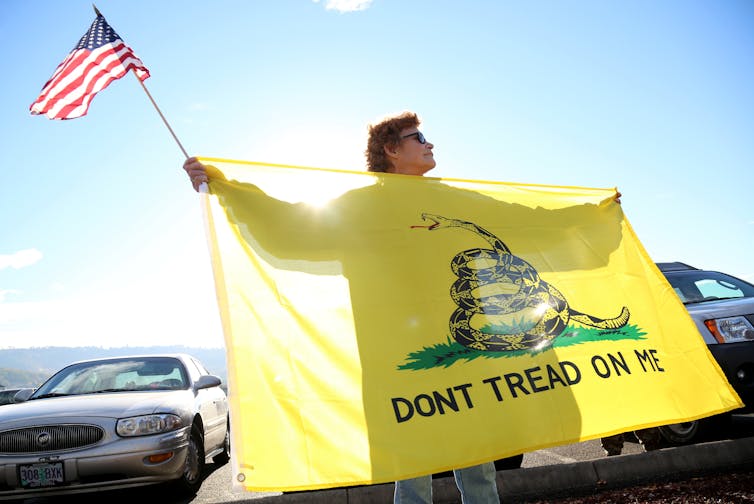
(624, 470)
(560, 480)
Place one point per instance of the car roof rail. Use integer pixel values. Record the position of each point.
(674, 266)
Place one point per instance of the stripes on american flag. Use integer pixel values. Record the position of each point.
(99, 58)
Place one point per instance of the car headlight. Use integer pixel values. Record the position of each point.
(730, 329)
(147, 424)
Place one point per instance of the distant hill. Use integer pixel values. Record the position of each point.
(18, 378)
(29, 367)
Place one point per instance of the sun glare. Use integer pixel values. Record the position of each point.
(305, 145)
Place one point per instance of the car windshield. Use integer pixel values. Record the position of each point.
(121, 375)
(697, 286)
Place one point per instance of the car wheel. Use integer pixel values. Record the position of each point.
(687, 432)
(681, 433)
(193, 470)
(224, 456)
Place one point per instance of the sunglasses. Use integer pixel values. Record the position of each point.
(419, 136)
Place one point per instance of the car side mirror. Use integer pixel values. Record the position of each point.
(207, 381)
(23, 395)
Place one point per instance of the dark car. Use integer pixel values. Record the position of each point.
(722, 307)
(8, 396)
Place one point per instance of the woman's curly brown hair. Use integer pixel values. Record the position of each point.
(387, 133)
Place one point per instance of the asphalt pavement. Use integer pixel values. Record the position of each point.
(551, 481)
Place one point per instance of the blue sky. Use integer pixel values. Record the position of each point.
(101, 239)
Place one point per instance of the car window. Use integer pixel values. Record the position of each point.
(132, 380)
(203, 370)
(120, 375)
(718, 289)
(193, 370)
(698, 286)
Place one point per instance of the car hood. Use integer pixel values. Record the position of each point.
(107, 405)
(722, 308)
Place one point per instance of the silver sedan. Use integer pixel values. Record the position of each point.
(115, 423)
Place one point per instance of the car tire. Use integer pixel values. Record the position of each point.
(688, 432)
(680, 433)
(193, 470)
(224, 456)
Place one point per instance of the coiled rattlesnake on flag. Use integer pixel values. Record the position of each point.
(482, 271)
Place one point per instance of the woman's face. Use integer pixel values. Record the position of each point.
(412, 157)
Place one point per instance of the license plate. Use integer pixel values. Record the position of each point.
(41, 475)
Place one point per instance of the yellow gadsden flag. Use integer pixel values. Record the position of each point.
(382, 326)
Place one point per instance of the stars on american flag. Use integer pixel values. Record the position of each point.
(99, 34)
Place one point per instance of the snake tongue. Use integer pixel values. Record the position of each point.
(430, 227)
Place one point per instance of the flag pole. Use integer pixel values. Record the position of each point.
(149, 95)
(161, 115)
(203, 187)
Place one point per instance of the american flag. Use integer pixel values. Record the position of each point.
(99, 58)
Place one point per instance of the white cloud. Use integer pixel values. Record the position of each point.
(4, 293)
(165, 308)
(118, 319)
(346, 5)
(158, 297)
(20, 259)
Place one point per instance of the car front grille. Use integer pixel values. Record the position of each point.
(47, 438)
